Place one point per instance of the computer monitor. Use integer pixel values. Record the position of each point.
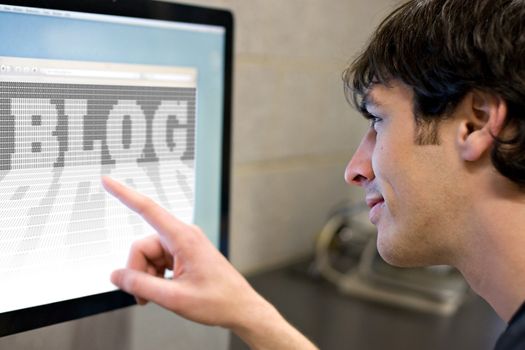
(138, 90)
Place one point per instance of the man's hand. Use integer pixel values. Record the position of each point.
(205, 287)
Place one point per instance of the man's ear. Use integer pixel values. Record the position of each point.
(484, 118)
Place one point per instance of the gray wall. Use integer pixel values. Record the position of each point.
(293, 129)
(293, 134)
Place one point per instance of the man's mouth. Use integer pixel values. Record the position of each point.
(375, 203)
(372, 201)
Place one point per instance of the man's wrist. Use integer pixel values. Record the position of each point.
(265, 328)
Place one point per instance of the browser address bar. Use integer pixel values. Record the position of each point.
(85, 73)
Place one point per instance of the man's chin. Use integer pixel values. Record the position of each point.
(395, 257)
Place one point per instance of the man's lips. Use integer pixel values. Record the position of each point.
(372, 201)
(375, 203)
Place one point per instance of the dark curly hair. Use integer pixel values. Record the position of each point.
(444, 49)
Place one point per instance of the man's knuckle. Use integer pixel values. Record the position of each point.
(136, 246)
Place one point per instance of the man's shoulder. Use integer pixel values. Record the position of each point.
(514, 336)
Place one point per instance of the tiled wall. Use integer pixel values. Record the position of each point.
(293, 129)
(293, 134)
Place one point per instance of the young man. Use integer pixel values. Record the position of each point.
(443, 167)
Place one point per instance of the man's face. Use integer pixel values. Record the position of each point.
(410, 189)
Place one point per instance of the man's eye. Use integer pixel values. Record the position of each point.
(374, 120)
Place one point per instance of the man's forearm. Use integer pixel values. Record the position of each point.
(268, 330)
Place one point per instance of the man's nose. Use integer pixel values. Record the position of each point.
(359, 170)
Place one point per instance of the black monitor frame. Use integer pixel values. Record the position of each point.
(39, 316)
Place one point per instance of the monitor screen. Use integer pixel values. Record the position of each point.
(138, 91)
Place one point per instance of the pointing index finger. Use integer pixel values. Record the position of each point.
(165, 223)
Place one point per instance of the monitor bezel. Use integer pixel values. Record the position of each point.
(45, 315)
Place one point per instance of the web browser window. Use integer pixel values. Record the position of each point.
(64, 125)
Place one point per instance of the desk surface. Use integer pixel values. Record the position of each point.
(334, 321)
